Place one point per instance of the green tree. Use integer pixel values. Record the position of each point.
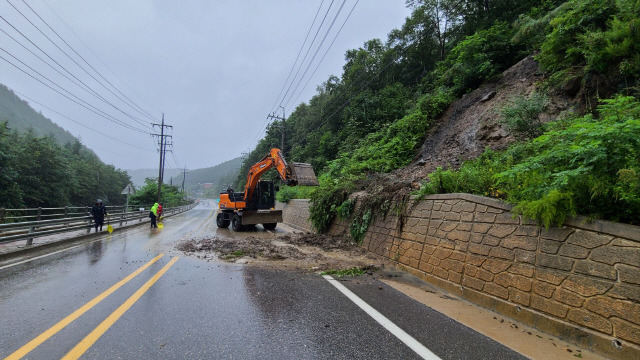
(10, 193)
(43, 172)
(148, 194)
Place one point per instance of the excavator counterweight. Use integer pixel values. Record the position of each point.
(256, 205)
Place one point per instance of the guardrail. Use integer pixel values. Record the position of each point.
(49, 222)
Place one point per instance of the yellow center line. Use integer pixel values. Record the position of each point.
(18, 354)
(90, 339)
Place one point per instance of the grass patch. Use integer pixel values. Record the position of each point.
(235, 254)
(354, 271)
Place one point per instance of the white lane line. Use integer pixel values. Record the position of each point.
(49, 254)
(38, 257)
(412, 343)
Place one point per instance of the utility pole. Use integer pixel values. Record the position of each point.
(282, 119)
(184, 176)
(163, 145)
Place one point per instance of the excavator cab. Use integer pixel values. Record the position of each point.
(264, 196)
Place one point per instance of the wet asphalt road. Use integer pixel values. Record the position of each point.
(208, 310)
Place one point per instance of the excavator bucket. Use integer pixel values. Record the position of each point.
(303, 173)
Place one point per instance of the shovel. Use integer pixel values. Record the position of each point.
(160, 226)
(109, 227)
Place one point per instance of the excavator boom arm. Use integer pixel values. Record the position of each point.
(273, 159)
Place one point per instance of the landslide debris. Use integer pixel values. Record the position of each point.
(231, 249)
(471, 124)
(303, 251)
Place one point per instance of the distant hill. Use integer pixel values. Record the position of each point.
(138, 175)
(219, 175)
(20, 116)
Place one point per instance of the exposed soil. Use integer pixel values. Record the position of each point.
(470, 124)
(301, 251)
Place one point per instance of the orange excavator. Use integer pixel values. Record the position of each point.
(256, 205)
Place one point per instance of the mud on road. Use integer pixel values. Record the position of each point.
(301, 251)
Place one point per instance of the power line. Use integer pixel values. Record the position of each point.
(139, 121)
(45, 53)
(294, 64)
(85, 88)
(316, 52)
(273, 108)
(57, 63)
(367, 83)
(125, 156)
(175, 161)
(307, 53)
(63, 89)
(134, 106)
(325, 53)
(77, 122)
(97, 111)
(96, 56)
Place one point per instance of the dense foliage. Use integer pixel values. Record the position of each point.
(36, 171)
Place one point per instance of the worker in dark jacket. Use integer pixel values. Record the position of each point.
(98, 211)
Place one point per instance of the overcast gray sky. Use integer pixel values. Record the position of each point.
(214, 68)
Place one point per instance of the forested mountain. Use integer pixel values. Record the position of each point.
(39, 168)
(374, 118)
(21, 117)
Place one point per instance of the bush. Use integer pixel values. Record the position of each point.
(287, 193)
(359, 226)
(324, 205)
(344, 210)
(474, 177)
(599, 36)
(522, 115)
(392, 147)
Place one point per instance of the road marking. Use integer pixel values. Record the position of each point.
(41, 256)
(76, 314)
(411, 342)
(90, 339)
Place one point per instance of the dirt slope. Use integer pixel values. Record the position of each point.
(471, 122)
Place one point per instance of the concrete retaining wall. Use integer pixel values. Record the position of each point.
(580, 282)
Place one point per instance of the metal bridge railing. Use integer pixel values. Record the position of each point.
(20, 224)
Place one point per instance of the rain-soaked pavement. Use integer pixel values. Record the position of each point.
(187, 308)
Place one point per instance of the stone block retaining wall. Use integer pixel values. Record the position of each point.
(580, 282)
(296, 214)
